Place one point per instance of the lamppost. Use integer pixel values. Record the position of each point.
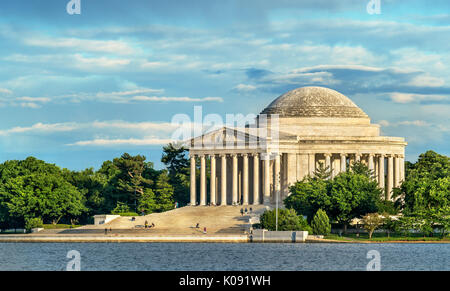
(277, 193)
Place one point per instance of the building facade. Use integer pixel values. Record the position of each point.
(290, 139)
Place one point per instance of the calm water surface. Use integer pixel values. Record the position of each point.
(222, 256)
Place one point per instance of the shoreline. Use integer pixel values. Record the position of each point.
(174, 239)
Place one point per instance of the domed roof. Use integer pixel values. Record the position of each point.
(314, 102)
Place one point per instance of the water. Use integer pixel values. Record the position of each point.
(223, 256)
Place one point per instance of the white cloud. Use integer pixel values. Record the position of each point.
(419, 123)
(244, 88)
(414, 122)
(427, 81)
(409, 98)
(334, 67)
(94, 63)
(33, 99)
(78, 44)
(5, 91)
(384, 123)
(130, 141)
(41, 128)
(176, 99)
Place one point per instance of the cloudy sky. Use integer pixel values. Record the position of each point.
(76, 90)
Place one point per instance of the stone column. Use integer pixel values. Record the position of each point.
(245, 179)
(255, 179)
(266, 179)
(390, 177)
(312, 164)
(343, 162)
(202, 180)
(402, 168)
(396, 171)
(212, 183)
(235, 179)
(375, 161)
(371, 164)
(381, 183)
(328, 160)
(223, 180)
(193, 202)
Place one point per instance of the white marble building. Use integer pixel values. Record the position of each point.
(304, 127)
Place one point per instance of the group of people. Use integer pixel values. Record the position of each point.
(245, 211)
(198, 226)
(148, 226)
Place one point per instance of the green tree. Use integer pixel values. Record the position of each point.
(164, 193)
(427, 184)
(353, 195)
(121, 208)
(92, 186)
(177, 163)
(390, 224)
(348, 195)
(320, 223)
(147, 202)
(175, 159)
(32, 188)
(308, 196)
(322, 172)
(362, 169)
(371, 222)
(287, 220)
(130, 182)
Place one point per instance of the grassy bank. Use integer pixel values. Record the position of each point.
(382, 237)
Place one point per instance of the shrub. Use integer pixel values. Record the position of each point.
(127, 214)
(120, 208)
(320, 224)
(31, 223)
(287, 220)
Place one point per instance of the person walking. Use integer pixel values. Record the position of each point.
(146, 224)
(204, 230)
(106, 231)
(242, 212)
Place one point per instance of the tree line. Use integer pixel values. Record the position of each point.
(422, 202)
(32, 189)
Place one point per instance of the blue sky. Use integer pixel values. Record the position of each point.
(76, 90)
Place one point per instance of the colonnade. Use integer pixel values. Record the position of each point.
(254, 177)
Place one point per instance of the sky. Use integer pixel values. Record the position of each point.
(76, 90)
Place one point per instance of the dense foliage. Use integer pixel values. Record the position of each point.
(34, 192)
(424, 196)
(349, 195)
(287, 220)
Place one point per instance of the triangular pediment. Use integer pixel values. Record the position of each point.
(227, 136)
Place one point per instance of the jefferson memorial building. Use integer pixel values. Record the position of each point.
(289, 140)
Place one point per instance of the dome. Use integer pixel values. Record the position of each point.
(314, 102)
